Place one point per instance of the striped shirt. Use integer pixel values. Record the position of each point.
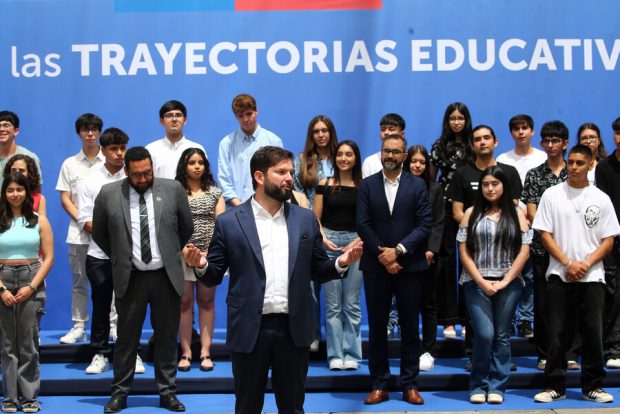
(492, 261)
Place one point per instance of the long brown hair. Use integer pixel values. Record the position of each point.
(308, 174)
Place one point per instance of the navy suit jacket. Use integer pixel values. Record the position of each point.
(235, 246)
(409, 223)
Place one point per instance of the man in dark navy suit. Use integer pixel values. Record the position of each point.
(272, 250)
(394, 221)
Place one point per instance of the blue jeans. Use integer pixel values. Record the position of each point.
(526, 301)
(491, 318)
(343, 313)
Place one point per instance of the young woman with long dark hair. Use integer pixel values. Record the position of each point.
(494, 245)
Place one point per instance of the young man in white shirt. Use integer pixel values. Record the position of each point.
(524, 157)
(577, 225)
(75, 169)
(166, 152)
(390, 124)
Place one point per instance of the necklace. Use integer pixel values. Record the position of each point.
(572, 198)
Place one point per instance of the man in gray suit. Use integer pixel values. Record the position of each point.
(142, 223)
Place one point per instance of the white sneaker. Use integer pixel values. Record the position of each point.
(336, 364)
(477, 398)
(113, 333)
(493, 398)
(427, 362)
(598, 395)
(613, 363)
(139, 365)
(351, 364)
(75, 334)
(98, 365)
(314, 346)
(547, 396)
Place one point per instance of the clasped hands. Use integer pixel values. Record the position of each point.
(576, 270)
(387, 258)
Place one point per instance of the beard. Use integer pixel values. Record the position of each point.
(390, 164)
(141, 189)
(277, 192)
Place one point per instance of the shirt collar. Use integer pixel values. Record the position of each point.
(173, 145)
(387, 180)
(258, 210)
(251, 137)
(82, 156)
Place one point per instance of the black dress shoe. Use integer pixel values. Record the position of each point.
(171, 403)
(116, 403)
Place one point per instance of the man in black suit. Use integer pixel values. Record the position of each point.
(394, 220)
(272, 250)
(142, 224)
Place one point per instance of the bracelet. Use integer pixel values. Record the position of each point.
(32, 287)
(586, 262)
(570, 262)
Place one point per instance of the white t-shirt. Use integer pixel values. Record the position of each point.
(579, 233)
(523, 163)
(372, 165)
(166, 154)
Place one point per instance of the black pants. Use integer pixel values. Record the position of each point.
(289, 366)
(429, 309)
(447, 299)
(379, 288)
(99, 272)
(566, 303)
(611, 322)
(541, 332)
(147, 288)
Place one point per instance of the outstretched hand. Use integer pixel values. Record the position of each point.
(351, 255)
(193, 256)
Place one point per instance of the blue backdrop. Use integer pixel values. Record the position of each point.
(122, 59)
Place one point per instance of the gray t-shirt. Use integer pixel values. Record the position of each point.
(23, 151)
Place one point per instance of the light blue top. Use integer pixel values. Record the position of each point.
(236, 150)
(20, 242)
(324, 169)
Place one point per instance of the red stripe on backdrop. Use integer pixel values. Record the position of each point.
(254, 5)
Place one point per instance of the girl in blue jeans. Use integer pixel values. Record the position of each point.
(494, 243)
(334, 205)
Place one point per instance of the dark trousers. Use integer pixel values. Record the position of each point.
(274, 349)
(429, 309)
(99, 272)
(567, 303)
(611, 322)
(541, 332)
(379, 288)
(147, 288)
(447, 300)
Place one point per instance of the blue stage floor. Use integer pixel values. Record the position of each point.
(441, 401)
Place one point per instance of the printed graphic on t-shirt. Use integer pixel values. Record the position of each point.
(592, 215)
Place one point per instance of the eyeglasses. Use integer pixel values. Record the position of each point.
(6, 125)
(388, 151)
(178, 115)
(551, 141)
(89, 130)
(456, 119)
(588, 138)
(138, 175)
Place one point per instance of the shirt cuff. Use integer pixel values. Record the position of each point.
(339, 268)
(402, 247)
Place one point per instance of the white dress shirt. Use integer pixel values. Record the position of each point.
(273, 236)
(166, 154)
(391, 188)
(136, 250)
(87, 193)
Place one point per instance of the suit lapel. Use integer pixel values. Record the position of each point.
(125, 204)
(293, 237)
(381, 192)
(245, 216)
(157, 203)
(404, 182)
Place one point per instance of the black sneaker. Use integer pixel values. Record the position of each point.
(524, 329)
(468, 365)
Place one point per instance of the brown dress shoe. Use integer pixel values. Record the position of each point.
(377, 396)
(412, 396)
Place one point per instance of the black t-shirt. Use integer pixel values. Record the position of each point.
(338, 207)
(464, 185)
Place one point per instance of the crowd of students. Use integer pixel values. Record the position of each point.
(526, 240)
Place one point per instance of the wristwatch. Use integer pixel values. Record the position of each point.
(2, 289)
(398, 250)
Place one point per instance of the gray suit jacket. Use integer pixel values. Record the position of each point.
(112, 229)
